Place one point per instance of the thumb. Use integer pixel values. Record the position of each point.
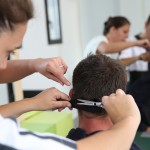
(62, 104)
(120, 92)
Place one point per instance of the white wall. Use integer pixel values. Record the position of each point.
(35, 42)
(3, 94)
(137, 11)
(146, 7)
(94, 13)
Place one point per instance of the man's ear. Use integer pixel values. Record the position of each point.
(70, 93)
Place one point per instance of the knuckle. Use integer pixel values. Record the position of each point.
(129, 96)
(49, 63)
(54, 89)
(53, 105)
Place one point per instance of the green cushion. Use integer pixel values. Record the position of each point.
(47, 121)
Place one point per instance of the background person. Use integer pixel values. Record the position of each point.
(137, 58)
(116, 30)
(139, 75)
(140, 91)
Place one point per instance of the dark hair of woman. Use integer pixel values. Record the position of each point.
(13, 12)
(116, 22)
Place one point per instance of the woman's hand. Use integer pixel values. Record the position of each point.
(145, 43)
(52, 68)
(120, 106)
(145, 56)
(50, 99)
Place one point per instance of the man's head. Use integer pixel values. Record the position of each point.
(97, 76)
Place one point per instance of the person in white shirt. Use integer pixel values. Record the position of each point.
(138, 61)
(116, 30)
(137, 58)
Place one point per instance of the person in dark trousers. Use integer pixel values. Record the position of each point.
(139, 74)
(140, 91)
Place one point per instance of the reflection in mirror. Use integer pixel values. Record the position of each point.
(53, 21)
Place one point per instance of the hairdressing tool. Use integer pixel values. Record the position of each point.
(90, 103)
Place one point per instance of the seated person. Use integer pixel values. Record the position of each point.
(93, 78)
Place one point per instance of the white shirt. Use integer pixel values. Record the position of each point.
(134, 51)
(93, 45)
(14, 137)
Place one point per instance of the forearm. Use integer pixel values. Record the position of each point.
(129, 61)
(120, 136)
(15, 109)
(46, 100)
(116, 46)
(16, 70)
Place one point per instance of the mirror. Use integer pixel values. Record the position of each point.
(53, 21)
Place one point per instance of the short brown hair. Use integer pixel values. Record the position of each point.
(97, 76)
(13, 12)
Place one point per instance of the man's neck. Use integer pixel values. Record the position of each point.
(94, 124)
